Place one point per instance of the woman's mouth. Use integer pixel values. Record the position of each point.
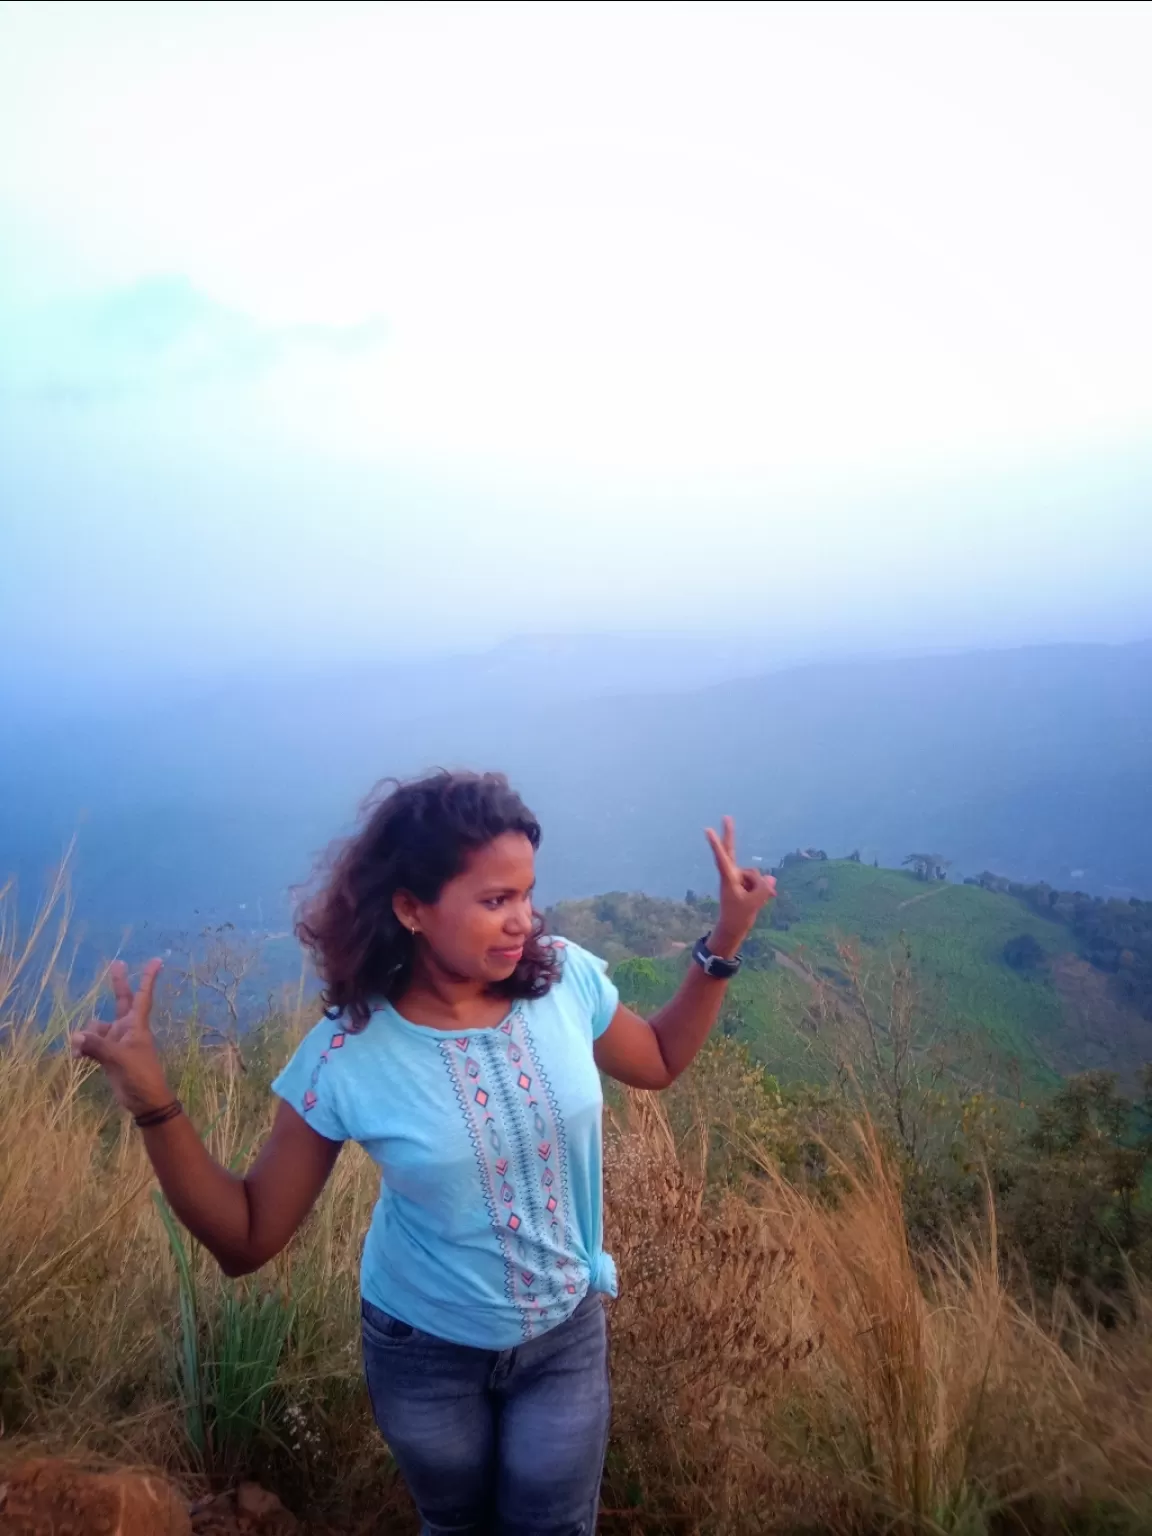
(511, 956)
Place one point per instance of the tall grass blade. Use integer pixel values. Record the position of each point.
(190, 1376)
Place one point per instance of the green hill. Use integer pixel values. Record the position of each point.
(1022, 1028)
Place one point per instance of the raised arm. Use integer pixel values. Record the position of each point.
(242, 1220)
(652, 1053)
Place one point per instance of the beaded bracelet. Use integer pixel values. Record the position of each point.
(153, 1117)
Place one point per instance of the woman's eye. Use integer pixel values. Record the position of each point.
(492, 902)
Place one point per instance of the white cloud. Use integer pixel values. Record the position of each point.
(155, 335)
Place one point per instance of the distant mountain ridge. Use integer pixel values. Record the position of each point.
(1035, 763)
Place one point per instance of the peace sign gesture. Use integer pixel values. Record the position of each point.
(743, 893)
(124, 1047)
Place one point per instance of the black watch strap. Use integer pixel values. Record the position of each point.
(714, 965)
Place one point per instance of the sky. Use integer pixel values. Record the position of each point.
(334, 331)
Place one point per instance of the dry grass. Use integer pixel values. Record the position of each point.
(786, 1362)
(712, 1321)
(780, 1361)
(89, 1305)
(941, 1399)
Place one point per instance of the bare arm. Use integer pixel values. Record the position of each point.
(242, 1221)
(652, 1053)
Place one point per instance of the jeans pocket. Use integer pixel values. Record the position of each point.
(381, 1329)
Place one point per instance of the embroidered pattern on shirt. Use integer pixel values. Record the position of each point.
(521, 1154)
(558, 1204)
(336, 1043)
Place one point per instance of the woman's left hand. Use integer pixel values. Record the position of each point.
(743, 893)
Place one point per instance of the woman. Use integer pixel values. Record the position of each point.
(460, 1048)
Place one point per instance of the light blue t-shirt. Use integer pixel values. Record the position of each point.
(489, 1226)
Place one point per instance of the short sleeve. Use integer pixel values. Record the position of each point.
(310, 1080)
(587, 976)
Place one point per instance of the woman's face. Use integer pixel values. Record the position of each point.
(478, 928)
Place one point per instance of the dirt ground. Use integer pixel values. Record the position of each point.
(47, 1497)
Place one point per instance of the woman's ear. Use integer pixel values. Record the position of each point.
(406, 908)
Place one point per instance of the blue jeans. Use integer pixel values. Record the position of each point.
(509, 1441)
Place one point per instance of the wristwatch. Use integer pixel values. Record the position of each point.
(714, 965)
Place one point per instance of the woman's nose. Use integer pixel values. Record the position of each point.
(520, 919)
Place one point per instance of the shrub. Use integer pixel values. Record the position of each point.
(1024, 953)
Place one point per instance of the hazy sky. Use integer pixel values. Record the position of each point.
(336, 329)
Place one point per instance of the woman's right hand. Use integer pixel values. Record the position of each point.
(125, 1047)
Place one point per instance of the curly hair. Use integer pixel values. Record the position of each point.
(415, 838)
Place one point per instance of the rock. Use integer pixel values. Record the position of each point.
(259, 1505)
(59, 1498)
(248, 1510)
(251, 1499)
(214, 1515)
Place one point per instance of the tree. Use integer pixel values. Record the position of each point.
(1071, 1200)
(928, 866)
(803, 856)
(1023, 953)
(223, 964)
(639, 983)
(875, 1027)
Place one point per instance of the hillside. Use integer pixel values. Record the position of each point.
(778, 1364)
(1025, 1027)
